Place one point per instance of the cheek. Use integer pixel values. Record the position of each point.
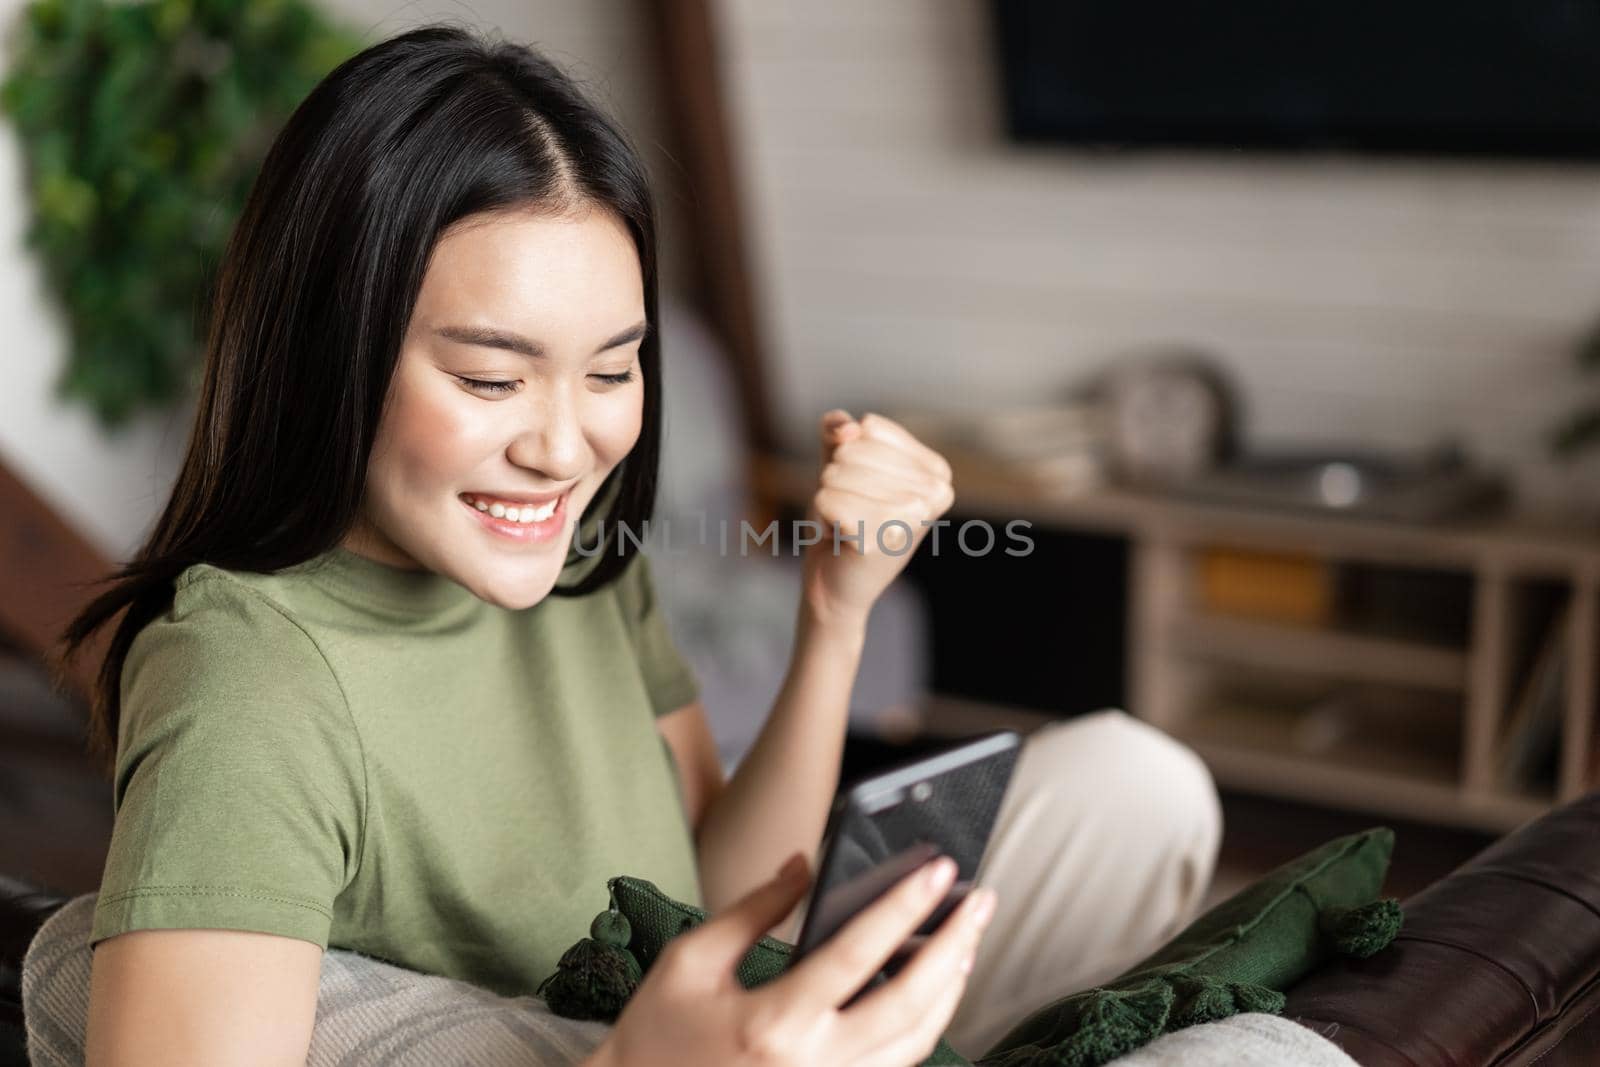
(428, 437)
(614, 427)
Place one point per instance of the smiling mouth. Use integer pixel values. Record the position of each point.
(536, 509)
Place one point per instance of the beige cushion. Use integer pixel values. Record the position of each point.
(370, 1013)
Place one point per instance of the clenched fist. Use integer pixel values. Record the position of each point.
(880, 489)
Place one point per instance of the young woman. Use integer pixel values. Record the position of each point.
(366, 691)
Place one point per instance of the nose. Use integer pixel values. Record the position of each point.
(553, 443)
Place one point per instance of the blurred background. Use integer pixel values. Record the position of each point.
(1274, 328)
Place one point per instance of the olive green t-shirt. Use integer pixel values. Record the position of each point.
(375, 759)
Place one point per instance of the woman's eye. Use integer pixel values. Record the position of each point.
(486, 386)
(614, 379)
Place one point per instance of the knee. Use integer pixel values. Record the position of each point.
(1133, 778)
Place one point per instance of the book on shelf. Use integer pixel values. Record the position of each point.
(1296, 588)
(1531, 740)
(1055, 448)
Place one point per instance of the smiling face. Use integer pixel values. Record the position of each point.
(463, 475)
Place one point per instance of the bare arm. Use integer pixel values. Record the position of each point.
(777, 801)
(776, 804)
(187, 998)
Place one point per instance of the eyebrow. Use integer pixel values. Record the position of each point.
(488, 337)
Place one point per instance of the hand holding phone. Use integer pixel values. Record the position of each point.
(893, 823)
(691, 1009)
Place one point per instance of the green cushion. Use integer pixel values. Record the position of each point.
(1239, 956)
(656, 918)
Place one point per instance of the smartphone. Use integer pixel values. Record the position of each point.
(886, 826)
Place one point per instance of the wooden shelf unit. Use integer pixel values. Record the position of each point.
(1169, 642)
(1329, 653)
(1168, 645)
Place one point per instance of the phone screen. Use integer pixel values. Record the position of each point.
(884, 828)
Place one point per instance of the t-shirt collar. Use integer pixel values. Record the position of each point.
(405, 593)
(415, 593)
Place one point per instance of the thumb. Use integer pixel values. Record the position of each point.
(836, 427)
(726, 937)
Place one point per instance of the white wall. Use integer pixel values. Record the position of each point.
(113, 486)
(110, 487)
(908, 254)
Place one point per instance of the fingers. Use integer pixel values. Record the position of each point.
(930, 986)
(883, 428)
(873, 454)
(831, 974)
(835, 428)
(876, 476)
(836, 419)
(722, 941)
(869, 483)
(919, 1035)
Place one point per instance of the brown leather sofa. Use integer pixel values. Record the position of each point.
(1498, 964)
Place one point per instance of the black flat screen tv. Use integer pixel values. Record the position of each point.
(1427, 77)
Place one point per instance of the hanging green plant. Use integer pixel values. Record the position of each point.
(142, 127)
(1579, 431)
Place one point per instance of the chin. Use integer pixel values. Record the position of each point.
(513, 593)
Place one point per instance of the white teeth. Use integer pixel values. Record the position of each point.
(526, 514)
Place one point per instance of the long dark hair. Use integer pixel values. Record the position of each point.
(316, 289)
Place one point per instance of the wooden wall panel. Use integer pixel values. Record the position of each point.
(43, 562)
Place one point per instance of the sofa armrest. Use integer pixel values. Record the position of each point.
(1498, 964)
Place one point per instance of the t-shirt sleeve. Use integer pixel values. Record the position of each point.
(239, 787)
(667, 675)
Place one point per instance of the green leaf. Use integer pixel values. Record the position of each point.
(1580, 431)
(141, 126)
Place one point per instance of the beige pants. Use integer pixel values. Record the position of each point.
(1102, 851)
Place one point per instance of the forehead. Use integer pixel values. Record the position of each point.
(542, 272)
